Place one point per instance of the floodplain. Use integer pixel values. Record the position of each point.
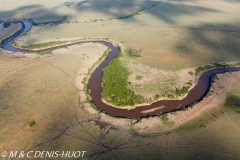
(43, 101)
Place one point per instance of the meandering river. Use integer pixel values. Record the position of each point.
(197, 93)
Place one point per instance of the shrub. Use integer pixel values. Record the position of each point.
(164, 117)
(31, 124)
(191, 73)
(115, 85)
(45, 52)
(6, 24)
(139, 77)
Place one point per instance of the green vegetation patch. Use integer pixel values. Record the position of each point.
(81, 3)
(115, 85)
(168, 123)
(202, 69)
(164, 117)
(6, 24)
(133, 52)
(200, 122)
(43, 45)
(67, 4)
(31, 124)
(232, 101)
(191, 73)
(171, 94)
(139, 77)
(45, 52)
(182, 91)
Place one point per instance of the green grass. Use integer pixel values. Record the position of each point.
(139, 77)
(217, 128)
(232, 101)
(231, 106)
(42, 45)
(201, 122)
(115, 85)
(182, 91)
(164, 117)
(133, 52)
(169, 124)
(45, 52)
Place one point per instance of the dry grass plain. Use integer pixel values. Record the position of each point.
(173, 36)
(43, 89)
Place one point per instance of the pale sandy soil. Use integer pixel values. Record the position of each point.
(152, 110)
(82, 73)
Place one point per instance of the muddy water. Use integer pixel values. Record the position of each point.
(196, 94)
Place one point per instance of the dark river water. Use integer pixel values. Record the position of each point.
(196, 94)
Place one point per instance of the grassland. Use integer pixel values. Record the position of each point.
(163, 44)
(183, 39)
(41, 45)
(189, 33)
(60, 124)
(43, 91)
(45, 53)
(214, 134)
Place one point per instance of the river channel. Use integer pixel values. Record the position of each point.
(197, 93)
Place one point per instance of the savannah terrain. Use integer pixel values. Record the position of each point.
(162, 41)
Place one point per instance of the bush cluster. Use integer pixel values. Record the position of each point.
(115, 85)
(201, 69)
